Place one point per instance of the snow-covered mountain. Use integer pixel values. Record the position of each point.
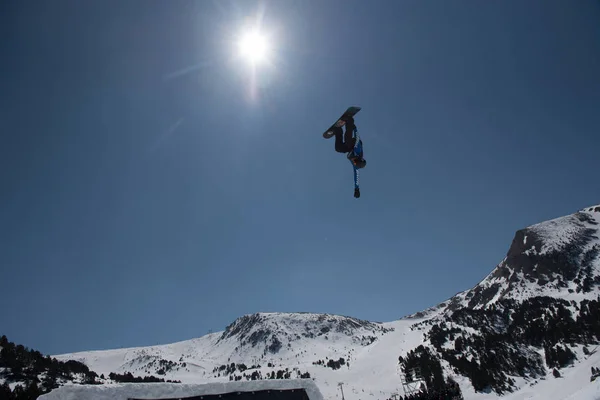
(558, 258)
(262, 345)
(535, 315)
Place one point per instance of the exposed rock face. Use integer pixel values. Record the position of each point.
(271, 330)
(555, 257)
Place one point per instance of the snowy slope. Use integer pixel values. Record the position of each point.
(262, 338)
(558, 258)
(574, 385)
(370, 352)
(588, 392)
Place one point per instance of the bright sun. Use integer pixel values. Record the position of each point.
(254, 47)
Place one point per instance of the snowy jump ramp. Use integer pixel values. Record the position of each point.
(276, 389)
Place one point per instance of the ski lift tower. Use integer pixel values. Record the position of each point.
(412, 381)
(342, 389)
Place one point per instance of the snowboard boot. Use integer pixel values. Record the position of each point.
(357, 160)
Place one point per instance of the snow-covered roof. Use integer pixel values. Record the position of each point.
(125, 391)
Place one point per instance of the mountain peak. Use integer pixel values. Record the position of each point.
(272, 329)
(559, 257)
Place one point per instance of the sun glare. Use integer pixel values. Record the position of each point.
(254, 47)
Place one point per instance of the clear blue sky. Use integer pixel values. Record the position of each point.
(149, 195)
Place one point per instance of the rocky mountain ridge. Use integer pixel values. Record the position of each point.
(537, 311)
(556, 258)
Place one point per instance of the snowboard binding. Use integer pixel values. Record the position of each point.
(357, 161)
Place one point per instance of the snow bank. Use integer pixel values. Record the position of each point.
(589, 392)
(123, 391)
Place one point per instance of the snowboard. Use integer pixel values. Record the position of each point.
(350, 112)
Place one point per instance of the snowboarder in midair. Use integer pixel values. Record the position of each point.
(346, 142)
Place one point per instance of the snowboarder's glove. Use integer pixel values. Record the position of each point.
(357, 193)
